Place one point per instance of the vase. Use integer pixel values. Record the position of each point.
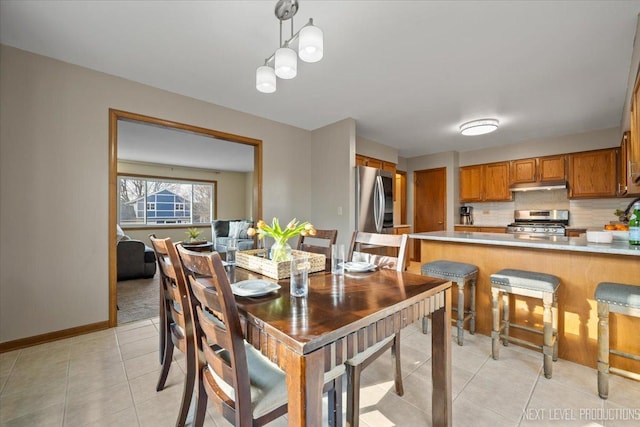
(280, 251)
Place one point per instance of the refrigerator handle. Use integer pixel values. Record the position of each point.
(379, 206)
(376, 204)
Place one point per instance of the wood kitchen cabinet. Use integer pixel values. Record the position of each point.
(632, 149)
(592, 174)
(485, 183)
(471, 183)
(375, 163)
(628, 182)
(539, 169)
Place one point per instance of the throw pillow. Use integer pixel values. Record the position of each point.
(234, 229)
(243, 229)
(120, 234)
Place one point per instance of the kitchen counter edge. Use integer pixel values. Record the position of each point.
(576, 244)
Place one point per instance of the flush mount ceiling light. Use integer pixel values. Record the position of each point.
(479, 127)
(283, 62)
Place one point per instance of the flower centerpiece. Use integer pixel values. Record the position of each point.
(281, 251)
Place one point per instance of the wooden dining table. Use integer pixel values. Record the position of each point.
(340, 317)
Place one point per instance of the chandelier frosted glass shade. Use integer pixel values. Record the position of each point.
(286, 63)
(265, 79)
(311, 44)
(479, 127)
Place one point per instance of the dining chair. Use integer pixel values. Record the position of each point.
(385, 243)
(312, 244)
(242, 384)
(176, 320)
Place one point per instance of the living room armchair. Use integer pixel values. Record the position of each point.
(224, 229)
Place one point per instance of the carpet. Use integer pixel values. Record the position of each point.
(138, 299)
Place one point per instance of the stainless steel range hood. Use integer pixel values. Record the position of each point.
(539, 186)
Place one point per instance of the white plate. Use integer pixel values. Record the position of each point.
(358, 267)
(254, 288)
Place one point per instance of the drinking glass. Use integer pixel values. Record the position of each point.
(232, 247)
(299, 276)
(337, 259)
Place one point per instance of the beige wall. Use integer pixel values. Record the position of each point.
(54, 183)
(333, 183)
(369, 148)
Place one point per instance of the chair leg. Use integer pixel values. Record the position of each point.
(472, 303)
(425, 325)
(547, 345)
(353, 395)
(495, 323)
(166, 363)
(395, 357)
(334, 396)
(460, 322)
(187, 392)
(201, 403)
(505, 317)
(554, 324)
(603, 350)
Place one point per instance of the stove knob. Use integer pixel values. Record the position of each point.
(546, 230)
(521, 229)
(534, 230)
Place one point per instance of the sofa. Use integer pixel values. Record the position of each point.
(224, 229)
(135, 260)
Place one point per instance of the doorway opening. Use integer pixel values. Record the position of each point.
(119, 119)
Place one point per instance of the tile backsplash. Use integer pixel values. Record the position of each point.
(591, 213)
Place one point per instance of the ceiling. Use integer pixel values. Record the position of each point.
(408, 72)
(147, 143)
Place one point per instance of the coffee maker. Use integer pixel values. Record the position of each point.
(466, 215)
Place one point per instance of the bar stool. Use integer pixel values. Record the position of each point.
(459, 273)
(616, 298)
(528, 284)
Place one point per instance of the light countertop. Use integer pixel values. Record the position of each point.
(577, 244)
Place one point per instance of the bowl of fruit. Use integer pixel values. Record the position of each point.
(619, 230)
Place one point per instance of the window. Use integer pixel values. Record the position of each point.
(152, 201)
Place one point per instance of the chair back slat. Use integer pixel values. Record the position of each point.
(312, 244)
(175, 293)
(218, 332)
(362, 240)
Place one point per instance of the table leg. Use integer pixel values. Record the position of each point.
(305, 380)
(441, 364)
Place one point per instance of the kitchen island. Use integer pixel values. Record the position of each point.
(580, 265)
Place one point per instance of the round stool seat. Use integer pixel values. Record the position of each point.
(618, 294)
(460, 273)
(449, 270)
(526, 280)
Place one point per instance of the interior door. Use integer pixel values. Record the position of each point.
(429, 207)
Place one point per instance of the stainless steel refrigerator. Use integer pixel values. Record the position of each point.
(374, 199)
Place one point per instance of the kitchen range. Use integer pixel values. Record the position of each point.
(539, 224)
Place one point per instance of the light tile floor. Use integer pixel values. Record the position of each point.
(108, 378)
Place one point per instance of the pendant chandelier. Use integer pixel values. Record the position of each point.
(283, 63)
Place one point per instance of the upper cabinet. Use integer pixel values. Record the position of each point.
(627, 186)
(375, 163)
(592, 174)
(629, 178)
(485, 183)
(552, 168)
(542, 169)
